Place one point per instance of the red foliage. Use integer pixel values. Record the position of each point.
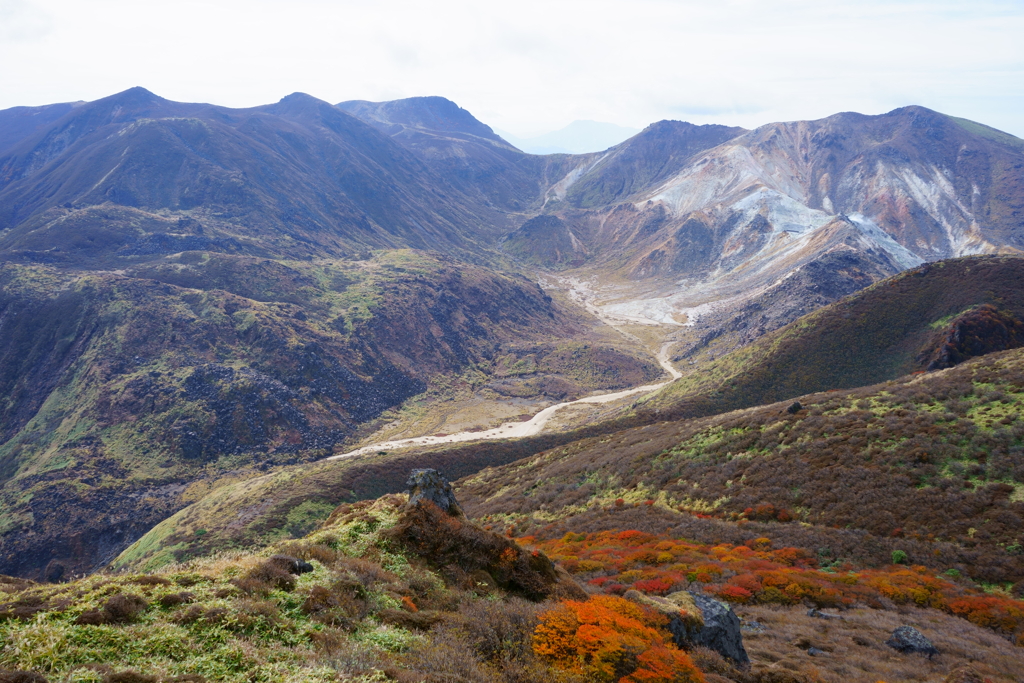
(617, 561)
(657, 586)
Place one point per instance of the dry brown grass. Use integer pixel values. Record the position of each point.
(855, 649)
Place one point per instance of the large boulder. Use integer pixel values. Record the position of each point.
(429, 485)
(909, 640)
(697, 619)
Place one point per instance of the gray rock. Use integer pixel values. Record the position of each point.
(909, 640)
(815, 652)
(429, 485)
(719, 632)
(818, 614)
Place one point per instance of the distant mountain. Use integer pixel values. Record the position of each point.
(461, 150)
(763, 226)
(579, 137)
(134, 175)
(429, 113)
(913, 184)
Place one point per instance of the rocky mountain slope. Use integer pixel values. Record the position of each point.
(780, 219)
(741, 232)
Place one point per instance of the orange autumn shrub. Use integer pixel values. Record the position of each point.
(615, 561)
(993, 612)
(608, 639)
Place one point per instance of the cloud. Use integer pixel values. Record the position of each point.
(535, 65)
(22, 21)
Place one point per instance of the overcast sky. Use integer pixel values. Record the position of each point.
(532, 66)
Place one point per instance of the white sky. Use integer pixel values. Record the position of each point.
(532, 66)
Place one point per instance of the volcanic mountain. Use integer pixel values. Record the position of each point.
(742, 230)
(190, 294)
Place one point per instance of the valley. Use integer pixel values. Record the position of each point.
(780, 367)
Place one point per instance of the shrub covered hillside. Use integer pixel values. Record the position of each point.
(382, 591)
(773, 587)
(385, 591)
(894, 327)
(933, 317)
(932, 465)
(125, 395)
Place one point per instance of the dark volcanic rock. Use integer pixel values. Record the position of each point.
(696, 619)
(909, 640)
(818, 614)
(290, 564)
(721, 629)
(982, 330)
(429, 485)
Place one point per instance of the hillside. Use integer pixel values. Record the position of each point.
(742, 232)
(124, 391)
(133, 176)
(898, 327)
(892, 328)
(192, 295)
(397, 590)
(927, 464)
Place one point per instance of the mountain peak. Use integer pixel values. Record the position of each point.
(430, 112)
(298, 97)
(134, 96)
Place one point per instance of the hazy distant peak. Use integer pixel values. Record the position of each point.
(673, 126)
(297, 103)
(579, 137)
(432, 113)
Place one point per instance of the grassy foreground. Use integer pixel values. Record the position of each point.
(382, 592)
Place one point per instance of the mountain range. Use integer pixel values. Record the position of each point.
(752, 373)
(192, 294)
